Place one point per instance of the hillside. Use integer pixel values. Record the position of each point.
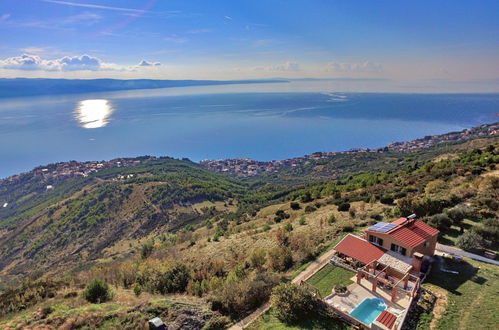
(170, 226)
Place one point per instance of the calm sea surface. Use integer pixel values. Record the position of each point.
(261, 121)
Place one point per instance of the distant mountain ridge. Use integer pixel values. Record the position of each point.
(16, 87)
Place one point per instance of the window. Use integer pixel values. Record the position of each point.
(426, 244)
(375, 240)
(398, 249)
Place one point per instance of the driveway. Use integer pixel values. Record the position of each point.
(459, 252)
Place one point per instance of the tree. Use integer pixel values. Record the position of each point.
(97, 291)
(291, 302)
(440, 221)
(469, 240)
(280, 258)
(344, 207)
(295, 205)
(457, 215)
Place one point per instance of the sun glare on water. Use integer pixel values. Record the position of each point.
(93, 113)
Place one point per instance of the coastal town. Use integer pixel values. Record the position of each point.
(71, 169)
(245, 167)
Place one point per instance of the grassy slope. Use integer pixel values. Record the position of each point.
(472, 295)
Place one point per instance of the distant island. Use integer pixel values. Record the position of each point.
(17, 87)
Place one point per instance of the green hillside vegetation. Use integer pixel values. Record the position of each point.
(174, 229)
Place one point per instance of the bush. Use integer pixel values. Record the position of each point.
(295, 205)
(240, 297)
(331, 219)
(146, 250)
(344, 207)
(440, 221)
(469, 240)
(137, 289)
(280, 258)
(175, 279)
(258, 258)
(97, 291)
(306, 197)
(386, 200)
(291, 302)
(310, 209)
(217, 323)
(288, 227)
(302, 221)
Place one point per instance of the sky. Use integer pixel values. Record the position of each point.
(406, 41)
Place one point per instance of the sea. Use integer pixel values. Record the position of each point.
(267, 121)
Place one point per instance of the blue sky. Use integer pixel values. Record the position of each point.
(398, 40)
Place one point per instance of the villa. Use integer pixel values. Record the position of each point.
(389, 260)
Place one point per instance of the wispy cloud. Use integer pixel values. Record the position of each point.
(285, 67)
(4, 17)
(366, 66)
(94, 6)
(199, 31)
(228, 17)
(176, 39)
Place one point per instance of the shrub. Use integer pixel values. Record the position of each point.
(238, 298)
(310, 209)
(469, 240)
(288, 227)
(291, 302)
(440, 221)
(306, 197)
(386, 200)
(331, 219)
(174, 279)
(217, 323)
(97, 291)
(302, 221)
(146, 250)
(280, 258)
(295, 205)
(258, 258)
(137, 289)
(344, 207)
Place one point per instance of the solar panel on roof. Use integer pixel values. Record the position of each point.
(382, 227)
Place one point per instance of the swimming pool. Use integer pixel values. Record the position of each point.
(368, 310)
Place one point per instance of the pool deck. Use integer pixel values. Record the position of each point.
(358, 292)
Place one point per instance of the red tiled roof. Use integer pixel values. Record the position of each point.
(413, 233)
(387, 319)
(359, 249)
(399, 221)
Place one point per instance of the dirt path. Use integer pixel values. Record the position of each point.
(308, 272)
(439, 308)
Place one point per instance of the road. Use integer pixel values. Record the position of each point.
(459, 252)
(308, 272)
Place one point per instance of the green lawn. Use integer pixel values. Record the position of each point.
(473, 297)
(328, 277)
(269, 321)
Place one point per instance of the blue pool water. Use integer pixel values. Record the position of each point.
(368, 310)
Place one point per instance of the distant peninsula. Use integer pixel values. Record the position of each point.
(17, 87)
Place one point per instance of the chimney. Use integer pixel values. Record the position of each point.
(417, 261)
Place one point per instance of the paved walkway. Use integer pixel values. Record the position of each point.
(459, 252)
(313, 268)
